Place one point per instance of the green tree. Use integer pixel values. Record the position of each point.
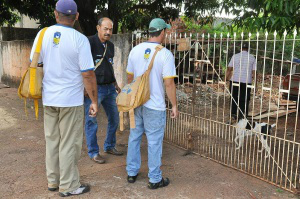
(7, 16)
(270, 15)
(126, 14)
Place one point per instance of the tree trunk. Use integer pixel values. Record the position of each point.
(116, 26)
(114, 13)
(87, 17)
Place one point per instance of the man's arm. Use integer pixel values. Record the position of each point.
(129, 78)
(171, 93)
(90, 84)
(254, 78)
(253, 75)
(229, 73)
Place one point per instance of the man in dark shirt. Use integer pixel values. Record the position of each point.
(103, 54)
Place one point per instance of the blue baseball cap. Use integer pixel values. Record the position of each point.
(66, 7)
(158, 24)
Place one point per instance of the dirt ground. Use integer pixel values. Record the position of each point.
(210, 100)
(22, 167)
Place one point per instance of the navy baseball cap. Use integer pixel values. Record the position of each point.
(66, 7)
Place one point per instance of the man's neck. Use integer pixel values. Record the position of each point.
(154, 40)
(66, 24)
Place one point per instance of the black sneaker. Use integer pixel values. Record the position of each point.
(52, 189)
(162, 183)
(81, 190)
(132, 179)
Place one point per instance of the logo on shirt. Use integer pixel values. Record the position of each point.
(96, 61)
(111, 61)
(56, 38)
(147, 53)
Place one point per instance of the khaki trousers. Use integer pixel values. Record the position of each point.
(63, 134)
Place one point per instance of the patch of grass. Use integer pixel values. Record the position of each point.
(279, 190)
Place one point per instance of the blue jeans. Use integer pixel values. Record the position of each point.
(107, 97)
(153, 123)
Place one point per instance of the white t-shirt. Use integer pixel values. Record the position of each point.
(240, 63)
(163, 68)
(65, 54)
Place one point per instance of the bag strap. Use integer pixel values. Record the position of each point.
(131, 119)
(99, 63)
(36, 109)
(38, 48)
(121, 115)
(157, 48)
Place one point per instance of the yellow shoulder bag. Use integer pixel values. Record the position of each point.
(31, 82)
(135, 94)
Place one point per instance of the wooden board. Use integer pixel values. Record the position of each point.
(273, 107)
(283, 113)
(286, 102)
(255, 113)
(273, 114)
(184, 44)
(264, 115)
(183, 47)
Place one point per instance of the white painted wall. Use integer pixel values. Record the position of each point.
(26, 22)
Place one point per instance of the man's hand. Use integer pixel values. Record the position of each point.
(85, 93)
(118, 89)
(175, 112)
(129, 78)
(93, 110)
(171, 93)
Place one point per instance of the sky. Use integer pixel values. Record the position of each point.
(222, 14)
(230, 16)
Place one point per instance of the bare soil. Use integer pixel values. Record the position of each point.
(22, 166)
(213, 101)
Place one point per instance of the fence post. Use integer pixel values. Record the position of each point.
(194, 78)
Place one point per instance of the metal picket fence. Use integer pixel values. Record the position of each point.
(204, 99)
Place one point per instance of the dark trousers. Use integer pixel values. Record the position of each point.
(240, 98)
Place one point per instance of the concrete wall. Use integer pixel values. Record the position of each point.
(10, 33)
(14, 59)
(26, 22)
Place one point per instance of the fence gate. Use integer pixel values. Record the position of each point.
(205, 102)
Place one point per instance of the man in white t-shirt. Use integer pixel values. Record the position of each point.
(151, 117)
(241, 70)
(68, 67)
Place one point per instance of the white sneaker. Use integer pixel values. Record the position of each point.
(81, 190)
